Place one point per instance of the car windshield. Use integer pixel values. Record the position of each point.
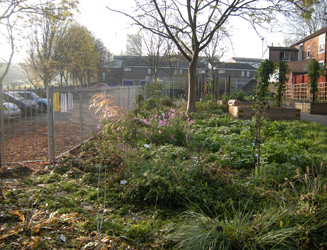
(15, 96)
(29, 95)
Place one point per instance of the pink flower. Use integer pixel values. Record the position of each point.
(162, 123)
(172, 136)
(160, 131)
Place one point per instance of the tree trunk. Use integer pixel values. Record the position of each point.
(192, 85)
(213, 83)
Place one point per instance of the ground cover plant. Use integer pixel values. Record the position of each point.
(163, 179)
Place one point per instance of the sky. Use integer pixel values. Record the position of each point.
(113, 28)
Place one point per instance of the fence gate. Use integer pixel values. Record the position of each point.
(49, 131)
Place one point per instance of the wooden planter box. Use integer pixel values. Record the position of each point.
(317, 108)
(246, 113)
(222, 102)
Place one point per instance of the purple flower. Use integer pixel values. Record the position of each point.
(172, 136)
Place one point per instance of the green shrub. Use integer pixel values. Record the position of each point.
(240, 96)
(142, 231)
(238, 229)
(151, 104)
(206, 105)
(166, 102)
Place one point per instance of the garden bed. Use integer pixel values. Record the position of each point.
(316, 108)
(174, 181)
(276, 114)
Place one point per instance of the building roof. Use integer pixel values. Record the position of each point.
(282, 48)
(138, 61)
(249, 86)
(247, 59)
(317, 33)
(238, 66)
(299, 66)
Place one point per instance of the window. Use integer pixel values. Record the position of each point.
(308, 52)
(321, 46)
(149, 71)
(285, 56)
(300, 52)
(128, 82)
(242, 73)
(248, 74)
(127, 69)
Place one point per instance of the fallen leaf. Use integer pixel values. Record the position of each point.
(21, 216)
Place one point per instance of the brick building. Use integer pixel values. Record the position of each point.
(298, 57)
(136, 70)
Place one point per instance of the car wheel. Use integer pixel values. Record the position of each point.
(42, 107)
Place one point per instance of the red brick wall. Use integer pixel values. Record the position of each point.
(313, 43)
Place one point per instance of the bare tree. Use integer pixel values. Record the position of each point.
(42, 43)
(27, 10)
(191, 25)
(105, 57)
(299, 25)
(214, 52)
(134, 44)
(153, 49)
(10, 8)
(7, 62)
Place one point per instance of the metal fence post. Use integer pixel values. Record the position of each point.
(50, 121)
(81, 115)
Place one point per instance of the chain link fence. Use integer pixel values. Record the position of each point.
(53, 122)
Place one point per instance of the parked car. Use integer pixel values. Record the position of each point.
(30, 95)
(11, 111)
(26, 106)
(101, 85)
